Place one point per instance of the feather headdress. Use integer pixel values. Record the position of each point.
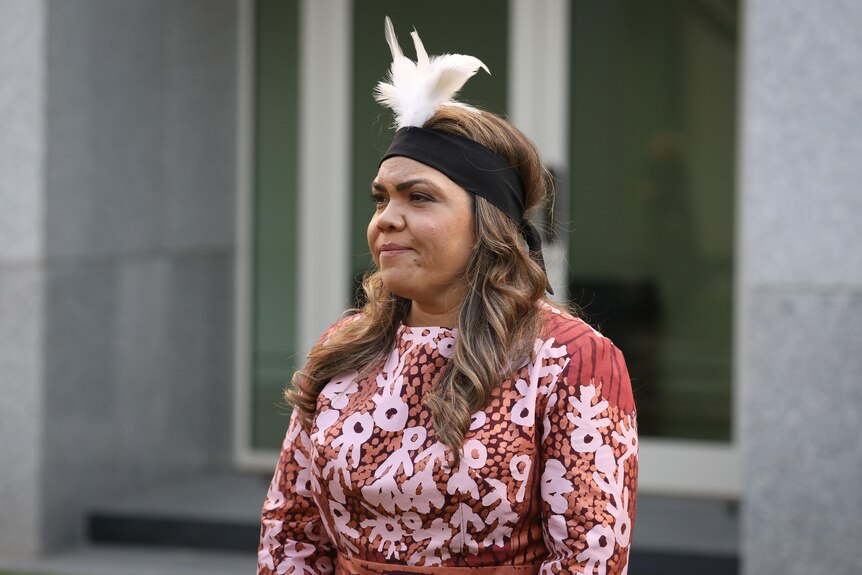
(414, 90)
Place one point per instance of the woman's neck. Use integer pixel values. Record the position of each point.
(419, 316)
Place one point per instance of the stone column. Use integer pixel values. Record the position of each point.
(117, 194)
(22, 152)
(800, 333)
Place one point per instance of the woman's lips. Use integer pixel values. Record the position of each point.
(388, 250)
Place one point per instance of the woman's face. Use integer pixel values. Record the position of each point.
(421, 234)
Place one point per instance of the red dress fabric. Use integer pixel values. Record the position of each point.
(546, 482)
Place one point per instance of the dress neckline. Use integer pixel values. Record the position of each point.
(421, 329)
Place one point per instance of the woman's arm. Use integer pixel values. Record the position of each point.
(589, 463)
(292, 536)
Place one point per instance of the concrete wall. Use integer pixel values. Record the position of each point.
(801, 334)
(116, 258)
(22, 149)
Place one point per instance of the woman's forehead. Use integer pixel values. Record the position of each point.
(399, 169)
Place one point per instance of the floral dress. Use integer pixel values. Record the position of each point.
(546, 483)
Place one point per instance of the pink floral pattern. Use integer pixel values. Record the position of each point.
(546, 482)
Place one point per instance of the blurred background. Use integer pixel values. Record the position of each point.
(183, 200)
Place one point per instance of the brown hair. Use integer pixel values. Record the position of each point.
(499, 319)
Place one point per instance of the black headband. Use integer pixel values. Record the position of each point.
(467, 163)
(475, 168)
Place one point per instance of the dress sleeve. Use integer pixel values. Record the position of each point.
(589, 462)
(293, 539)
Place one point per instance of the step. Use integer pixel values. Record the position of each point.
(222, 512)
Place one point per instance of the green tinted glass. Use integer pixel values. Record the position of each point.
(652, 180)
(275, 202)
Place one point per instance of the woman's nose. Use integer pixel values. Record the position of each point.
(392, 216)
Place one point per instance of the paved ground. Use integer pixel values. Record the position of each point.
(97, 560)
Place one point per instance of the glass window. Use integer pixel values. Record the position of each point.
(652, 180)
(274, 346)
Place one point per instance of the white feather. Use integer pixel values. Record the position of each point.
(414, 90)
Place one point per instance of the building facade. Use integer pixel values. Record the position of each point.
(182, 194)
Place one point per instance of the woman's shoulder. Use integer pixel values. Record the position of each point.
(339, 325)
(592, 358)
(567, 328)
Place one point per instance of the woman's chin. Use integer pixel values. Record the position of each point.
(398, 285)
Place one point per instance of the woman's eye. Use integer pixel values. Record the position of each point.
(378, 198)
(419, 198)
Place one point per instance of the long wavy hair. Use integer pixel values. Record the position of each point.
(499, 318)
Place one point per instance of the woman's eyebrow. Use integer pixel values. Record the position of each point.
(406, 184)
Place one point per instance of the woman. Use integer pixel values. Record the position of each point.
(459, 422)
